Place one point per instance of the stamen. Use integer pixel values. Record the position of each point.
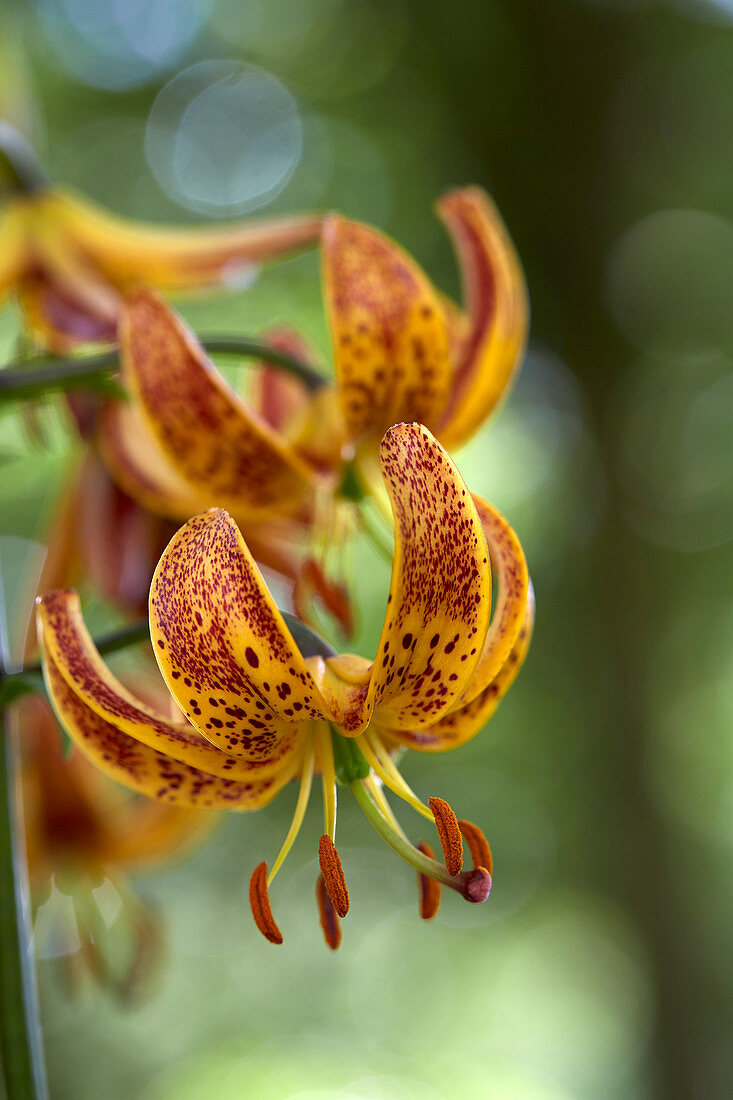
(260, 904)
(328, 775)
(301, 805)
(472, 885)
(446, 823)
(333, 873)
(429, 889)
(330, 922)
(478, 845)
(381, 763)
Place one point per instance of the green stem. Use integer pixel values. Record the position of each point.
(24, 1071)
(45, 373)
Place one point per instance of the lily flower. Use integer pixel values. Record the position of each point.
(263, 703)
(82, 840)
(70, 262)
(401, 349)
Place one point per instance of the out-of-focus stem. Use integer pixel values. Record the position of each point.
(47, 373)
(23, 1065)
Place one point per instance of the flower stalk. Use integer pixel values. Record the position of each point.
(43, 374)
(24, 1070)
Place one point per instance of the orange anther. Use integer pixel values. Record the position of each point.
(333, 873)
(478, 845)
(330, 922)
(259, 901)
(450, 835)
(428, 888)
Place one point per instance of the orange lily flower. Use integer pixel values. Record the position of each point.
(257, 710)
(82, 840)
(70, 262)
(403, 351)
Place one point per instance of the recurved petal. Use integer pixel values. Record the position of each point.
(460, 725)
(146, 770)
(440, 594)
(135, 253)
(222, 645)
(213, 440)
(390, 340)
(140, 466)
(498, 308)
(69, 646)
(510, 568)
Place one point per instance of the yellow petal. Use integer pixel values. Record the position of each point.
(131, 254)
(510, 567)
(390, 341)
(69, 645)
(460, 725)
(496, 299)
(140, 466)
(213, 440)
(223, 647)
(146, 770)
(440, 594)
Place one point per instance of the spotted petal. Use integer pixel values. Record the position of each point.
(222, 645)
(496, 299)
(440, 593)
(510, 567)
(69, 647)
(146, 770)
(211, 437)
(461, 724)
(390, 341)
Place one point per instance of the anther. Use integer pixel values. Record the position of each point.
(259, 901)
(333, 873)
(429, 889)
(446, 823)
(478, 845)
(476, 885)
(330, 922)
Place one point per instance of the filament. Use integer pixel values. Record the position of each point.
(306, 780)
(380, 762)
(328, 775)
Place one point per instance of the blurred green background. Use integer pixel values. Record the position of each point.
(602, 966)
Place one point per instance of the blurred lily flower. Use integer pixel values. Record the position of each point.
(69, 261)
(258, 709)
(83, 838)
(402, 350)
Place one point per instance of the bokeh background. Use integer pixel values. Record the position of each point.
(603, 965)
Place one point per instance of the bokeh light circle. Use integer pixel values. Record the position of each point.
(223, 137)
